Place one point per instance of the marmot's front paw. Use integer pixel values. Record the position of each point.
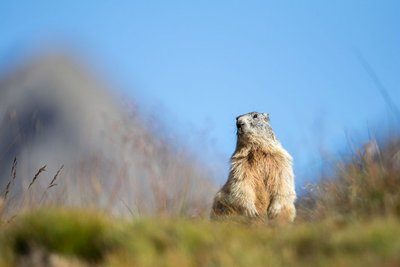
(251, 211)
(274, 209)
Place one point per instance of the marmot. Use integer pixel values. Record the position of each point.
(261, 179)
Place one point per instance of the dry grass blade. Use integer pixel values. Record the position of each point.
(52, 183)
(2, 206)
(129, 209)
(37, 175)
(379, 85)
(13, 175)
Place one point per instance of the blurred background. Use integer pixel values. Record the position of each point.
(135, 102)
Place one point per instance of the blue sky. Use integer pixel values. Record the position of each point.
(202, 63)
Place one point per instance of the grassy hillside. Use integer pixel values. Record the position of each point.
(81, 238)
(351, 218)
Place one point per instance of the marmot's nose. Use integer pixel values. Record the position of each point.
(239, 124)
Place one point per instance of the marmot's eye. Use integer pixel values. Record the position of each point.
(255, 116)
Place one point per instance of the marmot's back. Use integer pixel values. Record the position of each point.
(261, 180)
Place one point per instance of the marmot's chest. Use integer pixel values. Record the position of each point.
(261, 166)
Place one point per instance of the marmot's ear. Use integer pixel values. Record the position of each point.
(266, 115)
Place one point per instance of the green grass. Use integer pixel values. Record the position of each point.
(80, 238)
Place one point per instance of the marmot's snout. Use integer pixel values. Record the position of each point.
(240, 124)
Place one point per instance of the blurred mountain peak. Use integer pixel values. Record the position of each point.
(54, 111)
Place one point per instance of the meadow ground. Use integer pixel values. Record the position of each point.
(84, 238)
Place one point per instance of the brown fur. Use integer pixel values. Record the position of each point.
(261, 180)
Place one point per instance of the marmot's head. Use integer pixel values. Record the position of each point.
(254, 126)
